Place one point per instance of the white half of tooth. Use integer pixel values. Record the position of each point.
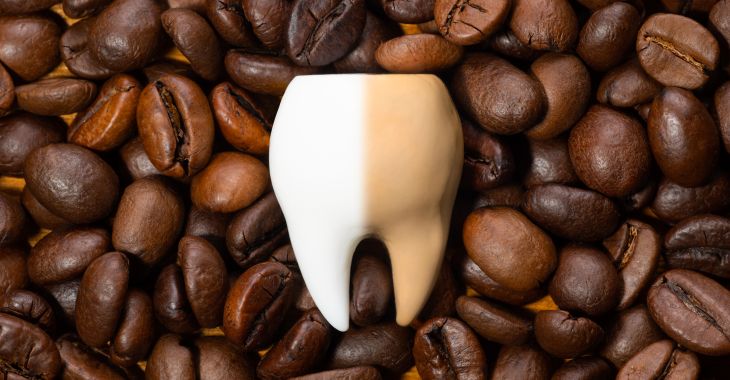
(353, 156)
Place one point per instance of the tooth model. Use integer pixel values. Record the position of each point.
(356, 156)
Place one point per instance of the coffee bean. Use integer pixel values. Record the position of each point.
(205, 276)
(467, 23)
(156, 71)
(630, 331)
(570, 212)
(681, 7)
(27, 352)
(700, 243)
(197, 41)
(608, 35)
(135, 334)
(385, 345)
(661, 360)
(676, 50)
(171, 358)
(599, 137)
(360, 373)
(149, 220)
(509, 248)
(269, 20)
(372, 288)
(12, 219)
(476, 279)
(136, 161)
(361, 59)
(722, 108)
(19, 7)
(263, 72)
(503, 196)
(442, 302)
(232, 181)
(627, 85)
(566, 100)
(257, 303)
(76, 55)
(447, 348)
(497, 95)
(72, 182)
(29, 44)
(7, 92)
(549, 163)
(409, 11)
(640, 199)
(29, 306)
(14, 276)
(584, 368)
(82, 362)
(170, 302)
(83, 8)
(495, 322)
(243, 123)
(65, 295)
(544, 25)
(209, 226)
(720, 18)
(416, 53)
(565, 336)
(228, 19)
(55, 96)
(674, 202)
(507, 44)
(488, 160)
(110, 120)
(522, 362)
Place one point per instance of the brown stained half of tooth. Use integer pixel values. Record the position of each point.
(413, 156)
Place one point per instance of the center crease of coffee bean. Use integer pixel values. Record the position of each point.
(627, 251)
(666, 45)
(333, 13)
(250, 109)
(181, 151)
(458, 8)
(693, 305)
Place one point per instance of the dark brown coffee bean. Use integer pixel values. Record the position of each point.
(585, 281)
(545, 25)
(585, 368)
(630, 331)
(269, 20)
(65, 295)
(565, 336)
(372, 289)
(257, 303)
(503, 196)
(608, 35)
(509, 248)
(176, 125)
(197, 41)
(243, 123)
(232, 181)
(570, 212)
(110, 120)
(683, 7)
(522, 362)
(722, 108)
(39, 213)
(640, 199)
(300, 350)
(171, 358)
(29, 306)
(65, 253)
(206, 279)
(408, 11)
(417, 53)
(627, 85)
(149, 220)
(135, 334)
(661, 360)
(27, 352)
(263, 73)
(14, 274)
(7, 92)
(170, 301)
(384, 345)
(720, 18)
(599, 137)
(467, 23)
(495, 322)
(29, 44)
(442, 302)
(82, 362)
(12, 219)
(83, 8)
(674, 202)
(228, 19)
(445, 348)
(497, 95)
(361, 59)
(476, 279)
(75, 52)
(488, 160)
(507, 44)
(219, 359)
(549, 163)
(72, 182)
(320, 32)
(19, 7)
(566, 99)
(682, 134)
(101, 298)
(55, 96)
(354, 373)
(126, 34)
(136, 161)
(693, 310)
(156, 71)
(700, 243)
(209, 226)
(676, 50)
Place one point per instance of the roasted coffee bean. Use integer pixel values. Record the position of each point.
(149, 220)
(156, 71)
(509, 248)
(640, 199)
(678, 6)
(627, 85)
(476, 279)
(136, 161)
(82, 362)
(176, 125)
(361, 59)
(110, 120)
(599, 137)
(544, 24)
(700, 243)
(630, 331)
(263, 72)
(566, 100)
(29, 44)
(447, 348)
(76, 55)
(27, 352)
(495, 322)
(72, 182)
(676, 50)
(65, 253)
(522, 362)
(693, 310)
(232, 181)
(83, 8)
(205, 276)
(570, 212)
(39, 213)
(467, 23)
(682, 133)
(55, 96)
(504, 196)
(565, 336)
(7, 92)
(488, 160)
(171, 358)
(549, 163)
(29, 306)
(585, 281)
(197, 41)
(497, 95)
(507, 44)
(269, 20)
(126, 34)
(608, 35)
(170, 301)
(209, 226)
(101, 298)
(12, 219)
(19, 7)
(257, 303)
(674, 202)
(442, 301)
(243, 123)
(372, 288)
(300, 350)
(722, 108)
(14, 274)
(634, 249)
(320, 32)
(384, 345)
(661, 360)
(417, 53)
(354, 373)
(408, 11)
(135, 334)
(720, 18)
(65, 295)
(228, 19)
(584, 368)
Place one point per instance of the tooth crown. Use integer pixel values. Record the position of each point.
(358, 155)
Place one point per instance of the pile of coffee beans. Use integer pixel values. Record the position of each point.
(140, 238)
